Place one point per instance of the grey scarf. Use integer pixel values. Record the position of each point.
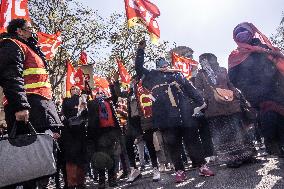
(210, 72)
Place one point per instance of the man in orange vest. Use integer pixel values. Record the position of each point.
(25, 82)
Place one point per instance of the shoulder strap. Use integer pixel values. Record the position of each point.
(206, 80)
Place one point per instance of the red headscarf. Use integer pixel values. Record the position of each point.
(244, 49)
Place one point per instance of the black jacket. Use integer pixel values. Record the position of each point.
(166, 115)
(11, 79)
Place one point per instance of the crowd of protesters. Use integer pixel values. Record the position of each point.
(162, 115)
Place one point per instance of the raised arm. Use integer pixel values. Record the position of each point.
(139, 60)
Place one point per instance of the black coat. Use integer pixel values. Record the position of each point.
(258, 79)
(11, 79)
(73, 137)
(164, 114)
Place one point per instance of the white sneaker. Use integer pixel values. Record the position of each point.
(156, 174)
(134, 174)
(162, 168)
(210, 159)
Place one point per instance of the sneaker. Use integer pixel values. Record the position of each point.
(142, 168)
(170, 166)
(122, 176)
(180, 176)
(134, 174)
(210, 159)
(162, 167)
(156, 174)
(205, 171)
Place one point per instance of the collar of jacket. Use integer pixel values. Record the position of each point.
(31, 45)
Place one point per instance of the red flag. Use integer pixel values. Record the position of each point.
(74, 78)
(49, 44)
(70, 79)
(83, 58)
(79, 79)
(185, 65)
(145, 13)
(12, 9)
(124, 75)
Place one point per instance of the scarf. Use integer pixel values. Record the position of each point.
(103, 113)
(245, 49)
(210, 72)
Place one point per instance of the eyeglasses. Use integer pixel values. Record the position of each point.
(29, 29)
(74, 89)
(100, 93)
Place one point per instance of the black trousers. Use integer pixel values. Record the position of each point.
(105, 144)
(173, 138)
(148, 138)
(205, 137)
(272, 129)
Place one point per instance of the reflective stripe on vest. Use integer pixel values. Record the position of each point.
(37, 85)
(33, 71)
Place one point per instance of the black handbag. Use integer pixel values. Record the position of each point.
(76, 120)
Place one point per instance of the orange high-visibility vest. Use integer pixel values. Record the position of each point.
(35, 74)
(144, 99)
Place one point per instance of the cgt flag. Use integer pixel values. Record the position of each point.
(145, 13)
(74, 78)
(79, 79)
(124, 75)
(185, 65)
(70, 77)
(12, 9)
(49, 44)
(83, 60)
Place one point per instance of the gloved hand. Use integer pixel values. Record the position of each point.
(197, 110)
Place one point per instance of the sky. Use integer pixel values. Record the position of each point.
(205, 25)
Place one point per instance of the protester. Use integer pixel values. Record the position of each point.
(26, 86)
(256, 67)
(103, 133)
(171, 111)
(223, 116)
(203, 129)
(73, 136)
(140, 129)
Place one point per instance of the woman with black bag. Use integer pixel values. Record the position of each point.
(73, 137)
